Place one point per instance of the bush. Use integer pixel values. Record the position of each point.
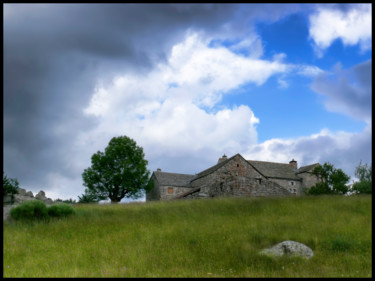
(10, 187)
(60, 210)
(318, 189)
(363, 187)
(30, 210)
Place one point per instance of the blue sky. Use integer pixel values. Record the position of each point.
(188, 82)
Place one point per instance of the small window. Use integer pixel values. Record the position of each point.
(259, 181)
(170, 190)
(238, 165)
(294, 190)
(292, 183)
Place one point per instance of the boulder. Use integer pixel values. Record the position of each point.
(288, 248)
(48, 201)
(22, 191)
(41, 195)
(29, 194)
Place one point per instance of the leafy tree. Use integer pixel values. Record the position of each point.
(364, 174)
(120, 171)
(10, 187)
(332, 181)
(88, 197)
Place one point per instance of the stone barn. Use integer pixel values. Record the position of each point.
(234, 176)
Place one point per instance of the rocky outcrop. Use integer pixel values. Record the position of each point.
(23, 196)
(288, 248)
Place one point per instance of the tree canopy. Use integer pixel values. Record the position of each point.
(10, 187)
(364, 174)
(118, 172)
(332, 180)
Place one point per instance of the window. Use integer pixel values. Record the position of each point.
(170, 190)
(259, 181)
(292, 183)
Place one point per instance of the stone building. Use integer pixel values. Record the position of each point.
(234, 176)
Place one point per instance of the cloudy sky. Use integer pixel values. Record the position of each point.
(187, 82)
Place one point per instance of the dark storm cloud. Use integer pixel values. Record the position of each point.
(348, 91)
(54, 54)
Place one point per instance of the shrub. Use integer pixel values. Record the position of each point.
(60, 210)
(364, 187)
(10, 187)
(319, 188)
(30, 210)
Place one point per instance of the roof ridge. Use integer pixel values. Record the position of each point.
(268, 162)
(172, 173)
(214, 167)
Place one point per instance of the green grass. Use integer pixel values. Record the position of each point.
(196, 238)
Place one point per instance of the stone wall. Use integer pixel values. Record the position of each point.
(287, 184)
(238, 178)
(168, 192)
(308, 179)
(249, 187)
(235, 167)
(153, 194)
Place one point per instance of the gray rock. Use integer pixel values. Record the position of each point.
(6, 212)
(41, 195)
(21, 197)
(48, 201)
(22, 191)
(289, 248)
(7, 199)
(29, 194)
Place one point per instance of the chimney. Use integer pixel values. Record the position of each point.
(223, 158)
(158, 170)
(293, 164)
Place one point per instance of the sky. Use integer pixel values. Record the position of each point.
(187, 82)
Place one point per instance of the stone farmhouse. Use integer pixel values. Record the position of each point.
(234, 176)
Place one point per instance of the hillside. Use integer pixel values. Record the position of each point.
(196, 238)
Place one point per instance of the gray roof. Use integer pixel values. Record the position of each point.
(275, 170)
(173, 179)
(306, 168)
(213, 168)
(267, 169)
(193, 190)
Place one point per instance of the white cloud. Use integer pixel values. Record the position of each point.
(344, 150)
(309, 70)
(251, 46)
(352, 26)
(171, 110)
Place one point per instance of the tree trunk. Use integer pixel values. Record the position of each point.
(115, 200)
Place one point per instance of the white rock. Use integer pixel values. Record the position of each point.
(289, 248)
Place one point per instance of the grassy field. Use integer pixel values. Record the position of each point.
(196, 238)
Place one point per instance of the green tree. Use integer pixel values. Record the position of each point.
(332, 181)
(364, 174)
(120, 171)
(10, 187)
(89, 197)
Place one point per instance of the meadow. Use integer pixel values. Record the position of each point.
(218, 237)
